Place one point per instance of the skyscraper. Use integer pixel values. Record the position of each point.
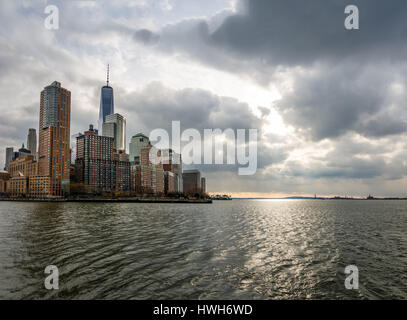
(192, 181)
(9, 157)
(137, 142)
(106, 102)
(54, 136)
(97, 164)
(115, 127)
(32, 142)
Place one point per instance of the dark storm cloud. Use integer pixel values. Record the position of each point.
(297, 32)
(329, 101)
(146, 36)
(345, 86)
(294, 32)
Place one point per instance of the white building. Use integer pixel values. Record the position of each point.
(137, 142)
(115, 127)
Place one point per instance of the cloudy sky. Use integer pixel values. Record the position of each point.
(329, 103)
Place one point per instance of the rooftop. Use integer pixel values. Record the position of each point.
(140, 135)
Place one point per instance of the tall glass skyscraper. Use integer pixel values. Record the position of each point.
(106, 102)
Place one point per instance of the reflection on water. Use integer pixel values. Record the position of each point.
(241, 249)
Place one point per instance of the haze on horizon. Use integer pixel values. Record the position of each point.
(329, 103)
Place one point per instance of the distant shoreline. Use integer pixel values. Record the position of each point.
(318, 198)
(130, 200)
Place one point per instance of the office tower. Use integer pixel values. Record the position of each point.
(137, 142)
(96, 165)
(169, 182)
(115, 127)
(21, 153)
(147, 174)
(172, 162)
(106, 102)
(54, 135)
(94, 160)
(73, 147)
(192, 181)
(9, 157)
(203, 185)
(32, 142)
(109, 130)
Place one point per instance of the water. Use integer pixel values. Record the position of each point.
(240, 249)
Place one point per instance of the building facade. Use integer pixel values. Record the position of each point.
(32, 142)
(4, 177)
(17, 187)
(137, 142)
(172, 162)
(203, 185)
(9, 157)
(54, 138)
(192, 181)
(26, 167)
(39, 186)
(115, 127)
(98, 165)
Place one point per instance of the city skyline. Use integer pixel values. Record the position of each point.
(331, 121)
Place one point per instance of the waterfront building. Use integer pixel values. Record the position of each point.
(23, 167)
(147, 179)
(169, 182)
(94, 160)
(54, 138)
(192, 181)
(106, 102)
(4, 177)
(157, 180)
(9, 157)
(148, 173)
(32, 142)
(137, 142)
(73, 147)
(39, 186)
(98, 165)
(172, 162)
(115, 127)
(122, 179)
(17, 187)
(203, 185)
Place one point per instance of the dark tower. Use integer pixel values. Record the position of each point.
(106, 102)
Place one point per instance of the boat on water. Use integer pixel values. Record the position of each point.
(221, 197)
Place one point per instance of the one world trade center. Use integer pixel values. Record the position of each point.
(106, 102)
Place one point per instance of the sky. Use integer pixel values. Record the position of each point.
(328, 103)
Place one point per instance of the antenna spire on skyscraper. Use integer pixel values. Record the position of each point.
(108, 75)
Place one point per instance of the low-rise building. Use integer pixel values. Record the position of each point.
(39, 186)
(4, 177)
(17, 187)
